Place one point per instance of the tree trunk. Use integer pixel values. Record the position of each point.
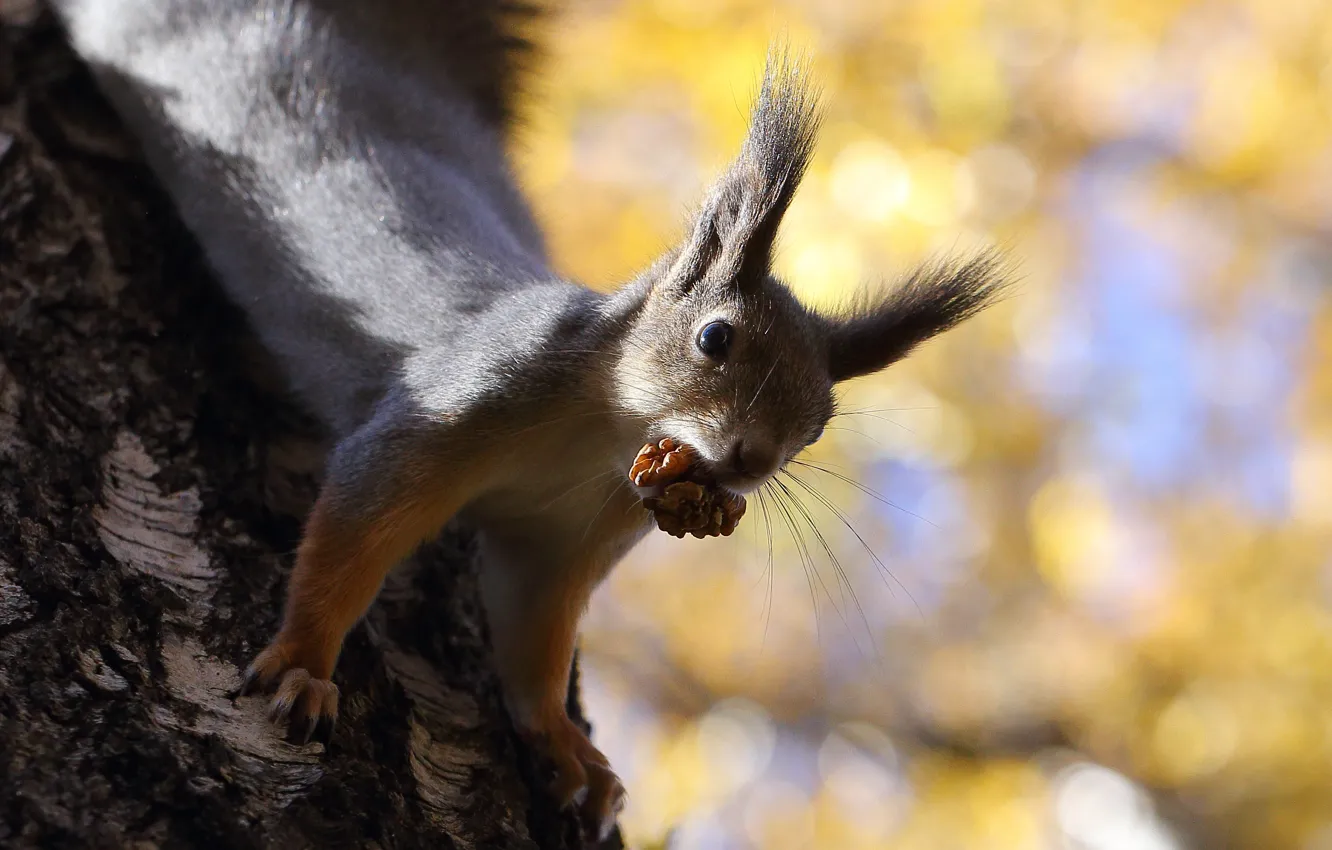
(151, 484)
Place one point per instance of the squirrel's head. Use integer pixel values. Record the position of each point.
(723, 357)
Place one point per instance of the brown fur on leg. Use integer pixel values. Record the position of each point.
(340, 567)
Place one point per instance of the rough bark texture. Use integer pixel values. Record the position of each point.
(150, 489)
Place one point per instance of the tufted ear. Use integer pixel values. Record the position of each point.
(875, 333)
(732, 237)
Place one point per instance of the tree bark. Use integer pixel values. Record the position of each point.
(151, 483)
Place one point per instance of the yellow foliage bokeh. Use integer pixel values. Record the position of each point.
(1082, 595)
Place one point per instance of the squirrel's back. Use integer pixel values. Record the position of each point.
(342, 164)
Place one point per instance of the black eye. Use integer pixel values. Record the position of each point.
(715, 340)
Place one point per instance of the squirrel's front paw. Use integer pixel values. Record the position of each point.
(583, 776)
(308, 705)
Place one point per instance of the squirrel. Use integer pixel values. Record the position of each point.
(342, 165)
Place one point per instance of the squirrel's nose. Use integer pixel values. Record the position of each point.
(753, 458)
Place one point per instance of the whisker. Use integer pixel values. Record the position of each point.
(862, 488)
(595, 516)
(852, 431)
(769, 569)
(882, 569)
(578, 486)
(548, 422)
(860, 410)
(873, 416)
(803, 553)
(762, 384)
(784, 494)
(844, 585)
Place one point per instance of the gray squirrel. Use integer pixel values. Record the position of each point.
(342, 164)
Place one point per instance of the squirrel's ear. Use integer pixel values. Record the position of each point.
(733, 235)
(933, 298)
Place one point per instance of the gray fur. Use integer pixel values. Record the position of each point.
(355, 200)
(360, 216)
(344, 172)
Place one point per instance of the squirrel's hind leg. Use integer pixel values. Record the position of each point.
(536, 589)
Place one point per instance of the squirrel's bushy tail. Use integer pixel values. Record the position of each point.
(482, 45)
(494, 50)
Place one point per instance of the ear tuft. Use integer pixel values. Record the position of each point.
(933, 298)
(782, 133)
(738, 225)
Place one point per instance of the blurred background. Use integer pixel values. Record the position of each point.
(1080, 593)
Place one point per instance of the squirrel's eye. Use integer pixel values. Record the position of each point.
(714, 340)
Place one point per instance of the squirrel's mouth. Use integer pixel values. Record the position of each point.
(722, 476)
(734, 487)
(737, 482)
(740, 483)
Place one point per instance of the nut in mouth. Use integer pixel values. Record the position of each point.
(688, 502)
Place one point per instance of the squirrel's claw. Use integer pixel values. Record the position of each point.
(569, 801)
(249, 682)
(308, 706)
(603, 801)
(582, 778)
(264, 670)
(323, 729)
(568, 785)
(301, 730)
(293, 684)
